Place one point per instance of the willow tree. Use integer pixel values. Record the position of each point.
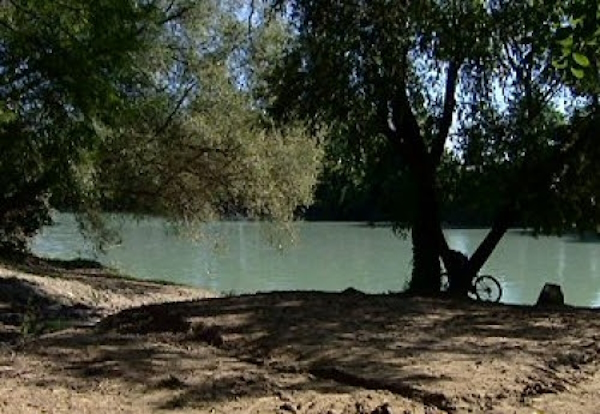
(472, 82)
(136, 106)
(199, 149)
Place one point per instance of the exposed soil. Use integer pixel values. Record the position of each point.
(79, 340)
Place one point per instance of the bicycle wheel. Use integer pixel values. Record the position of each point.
(487, 288)
(444, 282)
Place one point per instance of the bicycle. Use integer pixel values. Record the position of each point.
(485, 288)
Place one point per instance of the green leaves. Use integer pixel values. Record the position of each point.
(350, 60)
(581, 60)
(202, 149)
(577, 41)
(577, 72)
(566, 43)
(559, 63)
(67, 68)
(6, 115)
(141, 105)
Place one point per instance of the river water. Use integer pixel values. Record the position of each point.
(245, 257)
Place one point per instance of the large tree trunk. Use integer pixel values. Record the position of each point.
(425, 278)
(405, 134)
(428, 241)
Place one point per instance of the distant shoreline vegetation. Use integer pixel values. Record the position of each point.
(115, 218)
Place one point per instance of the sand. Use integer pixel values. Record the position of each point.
(79, 339)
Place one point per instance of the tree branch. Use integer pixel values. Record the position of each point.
(527, 181)
(501, 224)
(176, 109)
(408, 140)
(445, 122)
(176, 15)
(406, 133)
(251, 16)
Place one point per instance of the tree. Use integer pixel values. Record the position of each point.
(136, 106)
(466, 84)
(201, 150)
(64, 70)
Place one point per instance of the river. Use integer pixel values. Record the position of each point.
(245, 257)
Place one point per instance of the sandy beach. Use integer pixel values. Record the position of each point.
(78, 338)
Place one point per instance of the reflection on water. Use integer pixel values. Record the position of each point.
(236, 256)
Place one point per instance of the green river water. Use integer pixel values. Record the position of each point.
(242, 257)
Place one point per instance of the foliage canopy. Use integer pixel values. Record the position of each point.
(463, 102)
(137, 105)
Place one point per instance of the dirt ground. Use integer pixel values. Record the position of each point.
(80, 340)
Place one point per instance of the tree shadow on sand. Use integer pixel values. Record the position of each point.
(25, 309)
(415, 348)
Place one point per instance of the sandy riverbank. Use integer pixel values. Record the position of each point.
(90, 348)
